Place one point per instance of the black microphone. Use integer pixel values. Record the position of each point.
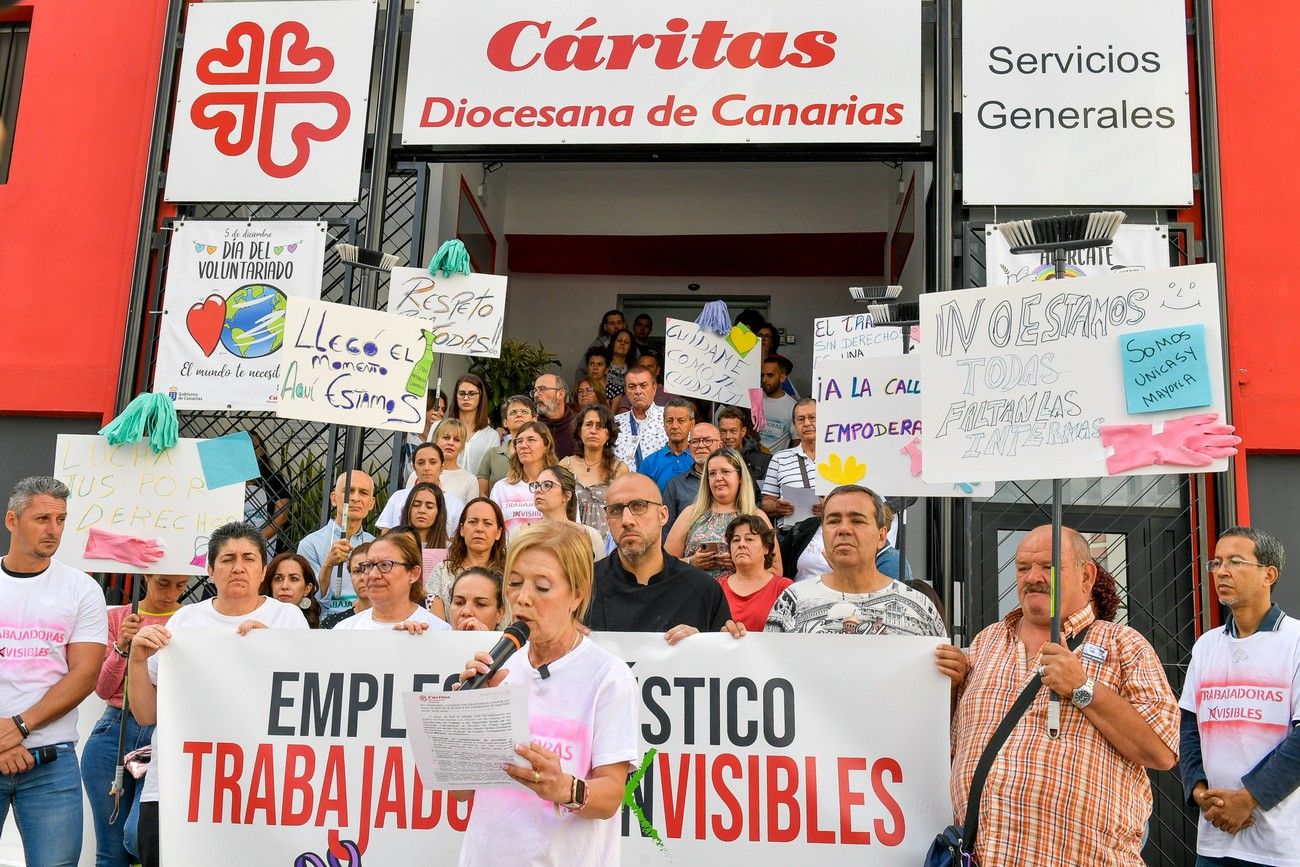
(513, 639)
(44, 755)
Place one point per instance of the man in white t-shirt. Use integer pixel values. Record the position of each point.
(1240, 739)
(53, 630)
(778, 407)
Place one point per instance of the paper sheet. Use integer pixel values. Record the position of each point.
(227, 460)
(803, 500)
(461, 739)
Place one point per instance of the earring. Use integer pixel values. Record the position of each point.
(304, 603)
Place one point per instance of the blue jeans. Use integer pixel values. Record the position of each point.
(1207, 861)
(114, 841)
(47, 808)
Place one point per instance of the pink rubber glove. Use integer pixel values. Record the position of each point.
(1190, 441)
(133, 550)
(756, 410)
(913, 451)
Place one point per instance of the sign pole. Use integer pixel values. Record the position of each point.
(1054, 703)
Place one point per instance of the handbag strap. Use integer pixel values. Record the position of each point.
(994, 746)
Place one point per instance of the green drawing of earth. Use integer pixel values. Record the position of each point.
(254, 324)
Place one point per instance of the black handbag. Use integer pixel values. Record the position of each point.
(954, 846)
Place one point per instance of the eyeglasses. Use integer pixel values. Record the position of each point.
(546, 486)
(614, 511)
(705, 441)
(1233, 563)
(467, 394)
(383, 567)
(540, 388)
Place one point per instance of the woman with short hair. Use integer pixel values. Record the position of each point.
(752, 588)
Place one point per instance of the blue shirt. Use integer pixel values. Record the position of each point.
(664, 465)
(314, 546)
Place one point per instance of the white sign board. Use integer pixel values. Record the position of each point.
(466, 311)
(869, 428)
(1135, 248)
(154, 500)
(1075, 103)
(349, 365)
(305, 731)
(854, 335)
(699, 363)
(223, 309)
(271, 102)
(573, 72)
(1109, 375)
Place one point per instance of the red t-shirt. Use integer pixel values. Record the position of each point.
(752, 610)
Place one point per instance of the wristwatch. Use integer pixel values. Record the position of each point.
(1082, 697)
(578, 795)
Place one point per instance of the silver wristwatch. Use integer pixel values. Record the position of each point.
(1082, 697)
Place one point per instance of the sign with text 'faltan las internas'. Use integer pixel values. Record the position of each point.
(567, 72)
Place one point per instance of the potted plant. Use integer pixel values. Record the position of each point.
(514, 372)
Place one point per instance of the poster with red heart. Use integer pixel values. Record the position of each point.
(271, 102)
(224, 304)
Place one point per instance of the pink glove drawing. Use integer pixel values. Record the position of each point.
(756, 409)
(913, 451)
(107, 545)
(1190, 441)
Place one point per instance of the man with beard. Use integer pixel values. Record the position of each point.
(551, 393)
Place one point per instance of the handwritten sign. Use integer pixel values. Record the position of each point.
(699, 363)
(869, 428)
(349, 365)
(854, 336)
(130, 491)
(1136, 247)
(467, 310)
(1023, 377)
(223, 309)
(1165, 369)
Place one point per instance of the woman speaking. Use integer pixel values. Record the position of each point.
(582, 718)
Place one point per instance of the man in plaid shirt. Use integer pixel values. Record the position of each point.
(1083, 798)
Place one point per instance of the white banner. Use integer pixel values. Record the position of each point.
(1109, 375)
(1075, 103)
(271, 102)
(1136, 248)
(467, 311)
(160, 501)
(349, 365)
(699, 363)
(582, 72)
(223, 309)
(762, 755)
(869, 428)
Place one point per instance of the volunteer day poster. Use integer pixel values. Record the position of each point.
(224, 307)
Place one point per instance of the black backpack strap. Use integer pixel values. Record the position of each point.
(994, 746)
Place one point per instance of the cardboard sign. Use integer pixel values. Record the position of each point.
(349, 365)
(699, 363)
(1135, 248)
(467, 311)
(161, 499)
(228, 284)
(1025, 379)
(1165, 369)
(855, 335)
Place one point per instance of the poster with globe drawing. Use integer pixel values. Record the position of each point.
(224, 305)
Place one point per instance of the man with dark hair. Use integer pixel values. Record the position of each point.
(736, 431)
(778, 407)
(1241, 712)
(517, 411)
(54, 634)
(551, 393)
(648, 359)
(675, 457)
(1118, 717)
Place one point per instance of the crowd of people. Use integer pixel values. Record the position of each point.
(576, 516)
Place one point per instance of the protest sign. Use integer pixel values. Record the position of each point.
(1136, 247)
(223, 309)
(761, 754)
(1029, 381)
(159, 502)
(350, 365)
(869, 428)
(467, 311)
(854, 336)
(720, 368)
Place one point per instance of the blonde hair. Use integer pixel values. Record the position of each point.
(451, 424)
(745, 504)
(570, 545)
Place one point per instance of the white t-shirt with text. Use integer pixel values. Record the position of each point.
(366, 620)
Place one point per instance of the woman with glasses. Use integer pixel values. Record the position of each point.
(534, 452)
(479, 542)
(699, 533)
(595, 466)
(457, 480)
(472, 410)
(290, 578)
(595, 364)
(589, 392)
(396, 589)
(622, 355)
(556, 498)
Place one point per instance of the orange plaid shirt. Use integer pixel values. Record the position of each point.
(1075, 800)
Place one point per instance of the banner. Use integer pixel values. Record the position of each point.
(1120, 374)
(1075, 103)
(350, 365)
(467, 311)
(762, 753)
(223, 309)
(271, 102)
(855, 335)
(573, 72)
(699, 363)
(161, 501)
(869, 428)
(1136, 247)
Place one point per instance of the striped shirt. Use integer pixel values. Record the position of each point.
(790, 467)
(1074, 800)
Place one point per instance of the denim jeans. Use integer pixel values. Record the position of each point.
(1207, 861)
(47, 809)
(114, 841)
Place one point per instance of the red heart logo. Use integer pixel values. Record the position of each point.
(224, 121)
(242, 66)
(205, 321)
(302, 133)
(298, 54)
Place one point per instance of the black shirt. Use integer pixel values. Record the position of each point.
(680, 594)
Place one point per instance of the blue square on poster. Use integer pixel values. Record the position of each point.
(227, 460)
(1165, 368)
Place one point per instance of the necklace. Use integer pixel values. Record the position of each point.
(591, 465)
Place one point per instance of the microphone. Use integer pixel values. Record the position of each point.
(44, 755)
(513, 639)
